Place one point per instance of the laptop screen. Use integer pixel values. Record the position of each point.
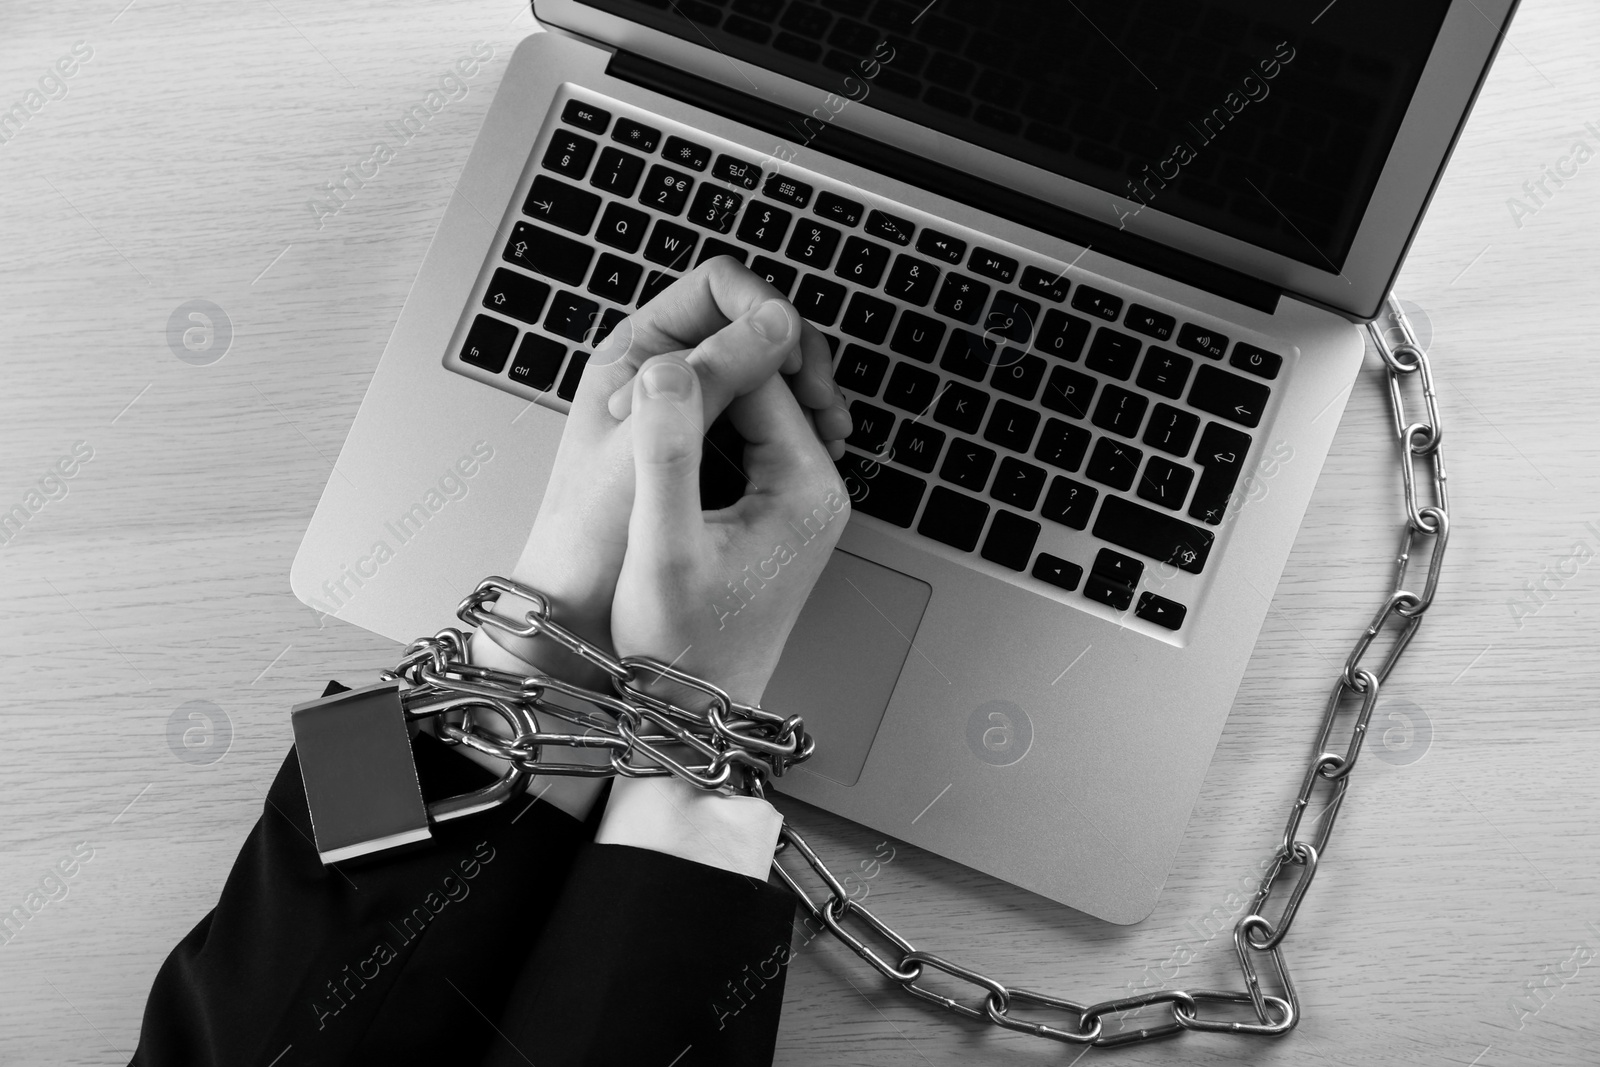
(1265, 120)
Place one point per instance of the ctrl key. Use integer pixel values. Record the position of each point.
(488, 344)
(881, 491)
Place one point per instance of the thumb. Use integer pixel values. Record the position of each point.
(668, 428)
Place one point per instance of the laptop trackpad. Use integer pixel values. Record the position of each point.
(843, 658)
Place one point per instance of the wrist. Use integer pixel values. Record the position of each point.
(541, 652)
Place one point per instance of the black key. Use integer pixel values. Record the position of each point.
(953, 519)
(1206, 342)
(561, 204)
(992, 265)
(819, 299)
(836, 208)
(796, 194)
(654, 282)
(711, 248)
(1153, 533)
(1150, 322)
(1069, 392)
(1012, 425)
(764, 225)
(1062, 335)
(1161, 611)
(1052, 287)
(1120, 411)
(608, 322)
(1114, 463)
(1018, 484)
(714, 208)
(1092, 301)
(1057, 571)
(911, 388)
(1257, 361)
(780, 276)
(1230, 396)
(1113, 353)
(1165, 482)
(488, 343)
(585, 116)
(918, 336)
(889, 227)
(862, 262)
(1070, 503)
(961, 297)
(813, 244)
(548, 253)
(1221, 457)
(861, 370)
(1010, 541)
(618, 172)
(571, 316)
(686, 153)
(1164, 372)
(1112, 578)
(569, 381)
(737, 172)
(1012, 317)
(968, 354)
(538, 361)
(636, 134)
(1017, 373)
(671, 245)
(1062, 444)
(870, 426)
(912, 280)
(569, 154)
(1172, 430)
(516, 295)
(941, 246)
(961, 407)
(833, 345)
(615, 278)
(622, 227)
(881, 491)
(967, 464)
(666, 190)
(917, 444)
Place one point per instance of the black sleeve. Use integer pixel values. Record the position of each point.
(404, 959)
(652, 959)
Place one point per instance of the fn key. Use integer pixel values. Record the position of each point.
(881, 491)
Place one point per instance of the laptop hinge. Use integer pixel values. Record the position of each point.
(948, 181)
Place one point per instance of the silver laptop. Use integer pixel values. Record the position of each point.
(1092, 273)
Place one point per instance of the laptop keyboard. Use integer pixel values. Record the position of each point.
(1080, 439)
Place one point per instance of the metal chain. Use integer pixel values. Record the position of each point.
(724, 745)
(1255, 936)
(729, 737)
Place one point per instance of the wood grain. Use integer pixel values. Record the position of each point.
(179, 165)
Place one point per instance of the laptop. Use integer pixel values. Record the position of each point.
(1093, 275)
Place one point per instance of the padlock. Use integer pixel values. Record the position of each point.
(360, 779)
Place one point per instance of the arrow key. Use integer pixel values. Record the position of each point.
(1161, 611)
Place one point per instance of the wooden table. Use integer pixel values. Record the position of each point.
(179, 165)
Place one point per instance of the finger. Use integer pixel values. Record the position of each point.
(782, 453)
(736, 358)
(812, 371)
(667, 426)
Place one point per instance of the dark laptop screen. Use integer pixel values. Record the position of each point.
(1267, 120)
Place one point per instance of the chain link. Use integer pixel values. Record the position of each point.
(1254, 935)
(727, 737)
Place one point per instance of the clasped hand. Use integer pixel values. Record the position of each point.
(621, 544)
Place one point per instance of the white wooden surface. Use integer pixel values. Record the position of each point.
(178, 166)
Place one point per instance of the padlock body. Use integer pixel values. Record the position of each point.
(360, 779)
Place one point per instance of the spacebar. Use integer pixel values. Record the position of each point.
(1150, 533)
